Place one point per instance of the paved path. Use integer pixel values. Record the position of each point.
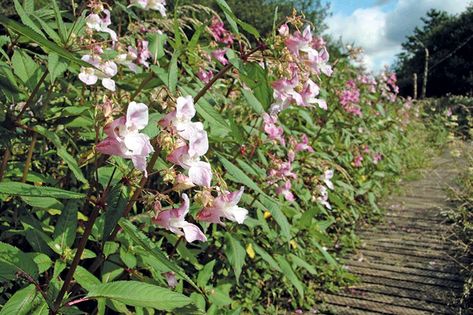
(405, 263)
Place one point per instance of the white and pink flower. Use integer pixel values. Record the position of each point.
(125, 140)
(101, 70)
(100, 24)
(174, 221)
(157, 5)
(224, 206)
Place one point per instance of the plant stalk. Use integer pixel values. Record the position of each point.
(29, 157)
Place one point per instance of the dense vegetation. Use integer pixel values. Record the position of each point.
(162, 161)
(449, 41)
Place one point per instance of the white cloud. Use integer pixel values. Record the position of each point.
(381, 33)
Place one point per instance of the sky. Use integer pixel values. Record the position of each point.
(380, 26)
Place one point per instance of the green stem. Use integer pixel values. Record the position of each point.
(29, 101)
(28, 158)
(81, 247)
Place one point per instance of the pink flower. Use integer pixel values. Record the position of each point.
(323, 198)
(158, 5)
(309, 93)
(200, 172)
(274, 132)
(225, 205)
(285, 190)
(174, 221)
(318, 62)
(194, 132)
(219, 54)
(103, 71)
(182, 182)
(171, 279)
(204, 76)
(123, 137)
(283, 30)
(357, 161)
(327, 178)
(219, 33)
(95, 22)
(377, 157)
(300, 42)
(304, 144)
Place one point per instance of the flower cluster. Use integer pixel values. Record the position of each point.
(191, 145)
(388, 85)
(350, 98)
(307, 56)
(99, 20)
(219, 33)
(124, 138)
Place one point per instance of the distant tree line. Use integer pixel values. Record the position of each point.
(447, 41)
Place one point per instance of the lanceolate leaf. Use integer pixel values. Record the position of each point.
(235, 253)
(141, 294)
(65, 231)
(140, 239)
(12, 261)
(290, 275)
(40, 40)
(21, 302)
(62, 152)
(239, 175)
(22, 189)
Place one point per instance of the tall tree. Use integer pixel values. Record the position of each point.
(449, 41)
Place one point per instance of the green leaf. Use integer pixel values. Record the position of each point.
(205, 274)
(12, 260)
(278, 215)
(327, 256)
(22, 189)
(65, 230)
(42, 261)
(85, 279)
(56, 66)
(26, 19)
(21, 302)
(253, 101)
(238, 175)
(267, 257)
(59, 22)
(233, 20)
(141, 294)
(25, 68)
(207, 111)
(302, 263)
(43, 202)
(228, 15)
(142, 240)
(173, 71)
(40, 40)
(156, 45)
(117, 200)
(235, 253)
(290, 275)
(62, 152)
(195, 38)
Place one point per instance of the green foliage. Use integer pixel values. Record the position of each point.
(80, 230)
(450, 44)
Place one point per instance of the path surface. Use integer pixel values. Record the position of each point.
(405, 263)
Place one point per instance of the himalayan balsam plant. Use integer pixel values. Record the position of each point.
(159, 161)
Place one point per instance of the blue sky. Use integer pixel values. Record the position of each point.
(348, 6)
(380, 26)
